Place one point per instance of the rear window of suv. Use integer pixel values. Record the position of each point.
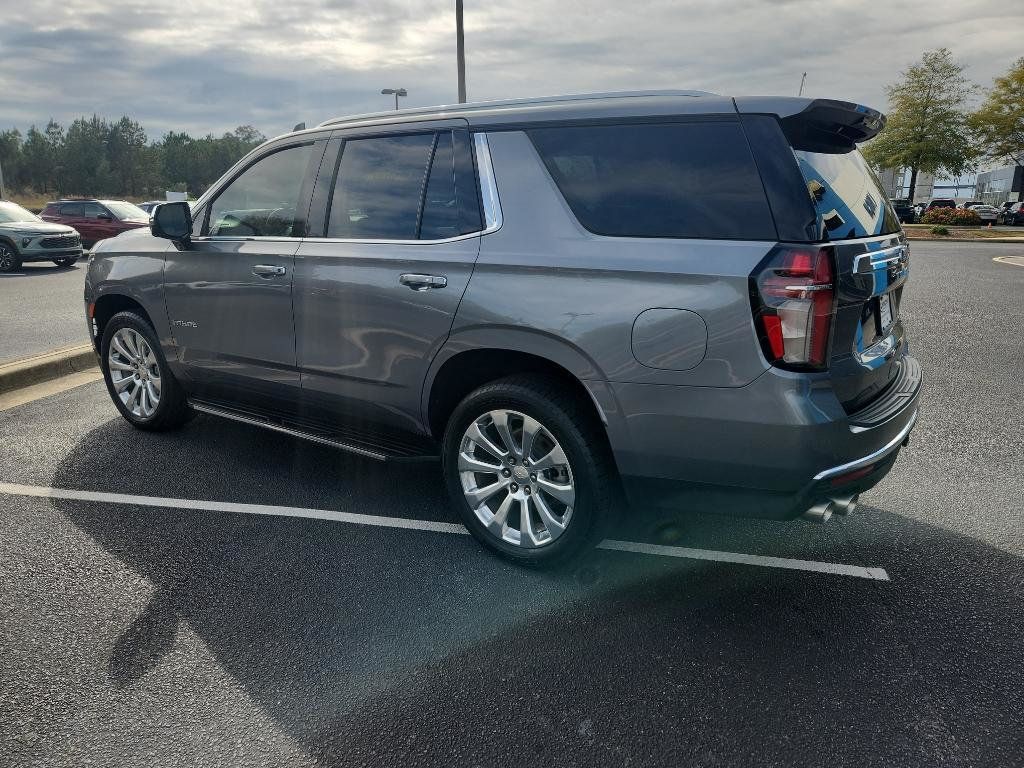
(848, 196)
(680, 180)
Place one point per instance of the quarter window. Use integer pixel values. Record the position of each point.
(684, 180)
(263, 200)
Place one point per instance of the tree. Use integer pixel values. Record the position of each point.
(10, 158)
(927, 123)
(37, 160)
(999, 122)
(125, 145)
(55, 140)
(86, 165)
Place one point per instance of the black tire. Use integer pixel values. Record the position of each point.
(65, 262)
(571, 422)
(172, 407)
(10, 259)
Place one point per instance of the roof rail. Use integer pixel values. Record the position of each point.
(474, 105)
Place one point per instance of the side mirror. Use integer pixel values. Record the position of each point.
(172, 221)
(104, 217)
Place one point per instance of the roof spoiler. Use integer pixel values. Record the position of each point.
(817, 125)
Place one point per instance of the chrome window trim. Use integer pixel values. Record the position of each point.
(488, 185)
(489, 195)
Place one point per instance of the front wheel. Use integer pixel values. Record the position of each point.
(529, 470)
(137, 375)
(9, 259)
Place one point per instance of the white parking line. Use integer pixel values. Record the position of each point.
(840, 569)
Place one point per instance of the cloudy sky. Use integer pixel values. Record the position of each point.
(210, 65)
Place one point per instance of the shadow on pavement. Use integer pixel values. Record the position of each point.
(382, 647)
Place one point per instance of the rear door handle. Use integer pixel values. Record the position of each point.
(268, 270)
(423, 282)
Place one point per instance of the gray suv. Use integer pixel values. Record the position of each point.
(691, 298)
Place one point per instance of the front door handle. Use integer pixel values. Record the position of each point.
(268, 270)
(423, 282)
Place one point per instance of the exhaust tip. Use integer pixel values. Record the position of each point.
(845, 505)
(820, 512)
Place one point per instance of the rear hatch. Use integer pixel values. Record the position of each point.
(871, 269)
(850, 212)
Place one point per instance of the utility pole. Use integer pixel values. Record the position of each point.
(801, 92)
(2, 194)
(460, 51)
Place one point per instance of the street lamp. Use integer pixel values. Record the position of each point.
(396, 92)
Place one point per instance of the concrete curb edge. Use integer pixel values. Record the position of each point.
(50, 365)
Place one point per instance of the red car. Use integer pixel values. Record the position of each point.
(96, 220)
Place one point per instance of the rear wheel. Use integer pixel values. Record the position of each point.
(529, 470)
(137, 375)
(10, 261)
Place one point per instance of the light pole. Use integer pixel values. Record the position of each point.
(396, 92)
(802, 79)
(460, 51)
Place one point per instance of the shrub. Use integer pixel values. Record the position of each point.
(939, 231)
(958, 217)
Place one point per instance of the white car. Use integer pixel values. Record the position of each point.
(986, 212)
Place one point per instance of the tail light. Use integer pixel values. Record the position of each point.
(793, 298)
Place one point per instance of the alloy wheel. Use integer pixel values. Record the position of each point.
(6, 259)
(516, 478)
(134, 372)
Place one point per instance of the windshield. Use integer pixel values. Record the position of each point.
(126, 210)
(848, 197)
(12, 212)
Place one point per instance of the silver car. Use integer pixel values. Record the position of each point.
(688, 297)
(26, 237)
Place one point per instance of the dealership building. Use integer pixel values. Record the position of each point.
(1001, 184)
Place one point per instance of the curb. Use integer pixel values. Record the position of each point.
(50, 365)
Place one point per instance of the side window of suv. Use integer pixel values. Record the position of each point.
(72, 209)
(685, 180)
(262, 201)
(440, 218)
(94, 211)
(379, 187)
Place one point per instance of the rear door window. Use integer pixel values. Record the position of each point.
(379, 188)
(72, 209)
(848, 197)
(680, 180)
(440, 217)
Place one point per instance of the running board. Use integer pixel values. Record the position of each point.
(274, 427)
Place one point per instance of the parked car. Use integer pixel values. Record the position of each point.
(554, 296)
(941, 202)
(987, 213)
(149, 205)
(96, 220)
(1013, 215)
(26, 237)
(904, 210)
(972, 203)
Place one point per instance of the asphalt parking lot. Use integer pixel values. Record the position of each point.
(42, 309)
(197, 626)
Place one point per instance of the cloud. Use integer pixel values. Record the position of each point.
(210, 65)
